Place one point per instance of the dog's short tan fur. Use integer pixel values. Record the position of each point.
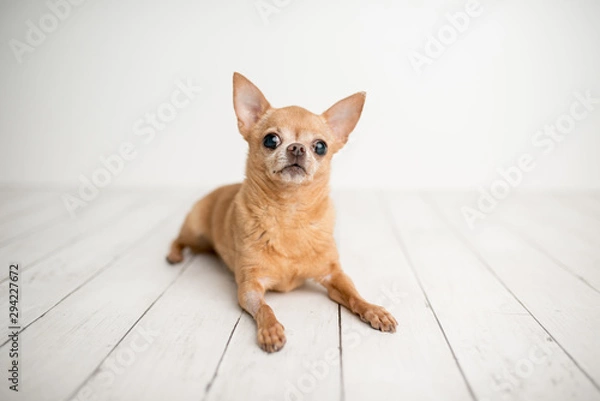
(275, 230)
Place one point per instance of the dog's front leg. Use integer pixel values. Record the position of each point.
(251, 296)
(341, 289)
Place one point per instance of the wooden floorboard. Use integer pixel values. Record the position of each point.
(586, 203)
(43, 243)
(7, 196)
(83, 328)
(419, 364)
(190, 326)
(16, 204)
(489, 330)
(508, 310)
(565, 307)
(301, 367)
(550, 211)
(44, 212)
(576, 251)
(58, 276)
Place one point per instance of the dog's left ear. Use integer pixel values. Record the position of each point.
(249, 103)
(343, 116)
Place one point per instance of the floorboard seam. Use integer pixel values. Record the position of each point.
(581, 236)
(341, 349)
(97, 369)
(20, 212)
(216, 373)
(100, 271)
(535, 245)
(409, 261)
(27, 233)
(79, 238)
(469, 246)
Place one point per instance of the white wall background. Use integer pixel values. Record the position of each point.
(473, 110)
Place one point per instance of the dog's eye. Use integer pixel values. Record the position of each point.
(320, 148)
(271, 141)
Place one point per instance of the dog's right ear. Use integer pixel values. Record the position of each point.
(249, 103)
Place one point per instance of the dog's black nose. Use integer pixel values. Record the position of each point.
(296, 149)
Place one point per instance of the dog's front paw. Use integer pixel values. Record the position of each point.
(379, 318)
(272, 338)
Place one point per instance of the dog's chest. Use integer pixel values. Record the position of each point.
(295, 242)
(291, 248)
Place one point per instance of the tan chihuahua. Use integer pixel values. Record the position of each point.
(275, 230)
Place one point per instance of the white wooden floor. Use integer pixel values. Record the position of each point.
(507, 311)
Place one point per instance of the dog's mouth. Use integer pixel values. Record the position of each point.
(294, 169)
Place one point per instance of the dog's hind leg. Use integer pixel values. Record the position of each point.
(192, 235)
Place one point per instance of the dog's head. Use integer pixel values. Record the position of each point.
(291, 145)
